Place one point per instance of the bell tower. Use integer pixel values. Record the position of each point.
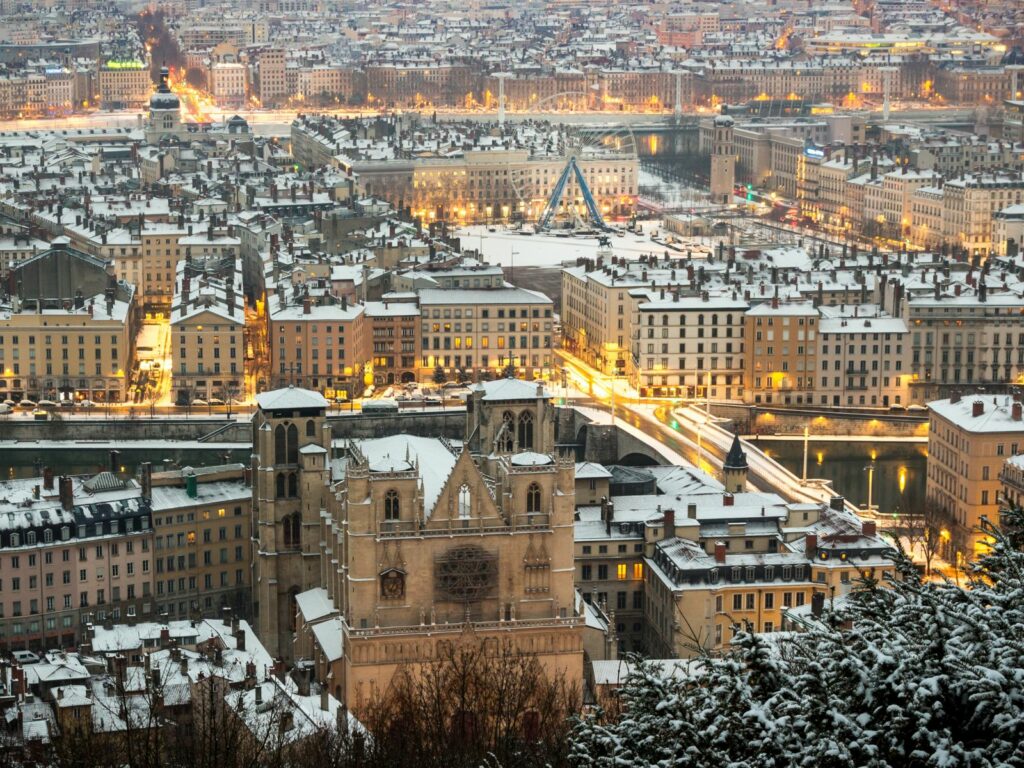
(723, 160)
(291, 444)
(734, 468)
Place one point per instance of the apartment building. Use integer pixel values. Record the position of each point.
(482, 331)
(743, 558)
(781, 343)
(68, 333)
(273, 85)
(970, 203)
(394, 327)
(208, 332)
(962, 332)
(124, 85)
(319, 343)
(687, 345)
(229, 84)
(72, 550)
(862, 353)
(202, 531)
(596, 309)
(970, 438)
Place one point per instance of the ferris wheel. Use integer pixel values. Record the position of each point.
(577, 172)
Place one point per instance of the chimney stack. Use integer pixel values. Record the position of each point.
(977, 408)
(67, 499)
(811, 545)
(669, 518)
(1016, 410)
(47, 479)
(719, 552)
(869, 528)
(728, 500)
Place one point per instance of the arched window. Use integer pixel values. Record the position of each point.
(279, 444)
(465, 502)
(48, 536)
(15, 539)
(507, 438)
(65, 533)
(293, 485)
(533, 498)
(296, 530)
(30, 538)
(286, 530)
(392, 507)
(526, 431)
(280, 486)
(310, 428)
(293, 444)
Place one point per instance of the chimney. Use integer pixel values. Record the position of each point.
(192, 485)
(67, 498)
(247, 474)
(977, 408)
(306, 306)
(837, 503)
(869, 528)
(955, 397)
(719, 551)
(147, 480)
(1016, 410)
(165, 637)
(811, 545)
(240, 639)
(325, 699)
(669, 519)
(817, 604)
(47, 479)
(259, 694)
(113, 461)
(728, 500)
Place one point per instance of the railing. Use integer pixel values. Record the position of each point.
(455, 626)
(410, 528)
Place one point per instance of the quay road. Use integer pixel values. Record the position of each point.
(277, 121)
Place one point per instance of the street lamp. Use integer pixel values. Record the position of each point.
(870, 469)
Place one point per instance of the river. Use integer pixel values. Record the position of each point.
(899, 475)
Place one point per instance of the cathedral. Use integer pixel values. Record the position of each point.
(375, 553)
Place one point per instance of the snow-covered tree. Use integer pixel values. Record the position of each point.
(910, 673)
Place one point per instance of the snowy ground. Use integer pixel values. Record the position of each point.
(511, 248)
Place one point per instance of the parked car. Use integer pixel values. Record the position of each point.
(41, 415)
(46, 405)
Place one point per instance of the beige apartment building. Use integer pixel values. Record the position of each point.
(319, 343)
(781, 341)
(970, 438)
(395, 334)
(687, 346)
(124, 87)
(739, 558)
(969, 205)
(273, 84)
(482, 331)
(69, 332)
(208, 333)
(862, 353)
(202, 541)
(597, 311)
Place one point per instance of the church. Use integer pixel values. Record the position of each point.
(375, 553)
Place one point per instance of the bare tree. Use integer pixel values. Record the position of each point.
(478, 702)
(921, 528)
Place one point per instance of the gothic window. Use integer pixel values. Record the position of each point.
(526, 431)
(296, 525)
(293, 444)
(293, 485)
(392, 507)
(280, 484)
(465, 502)
(279, 444)
(533, 498)
(310, 428)
(507, 436)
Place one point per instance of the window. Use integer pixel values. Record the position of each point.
(621, 571)
(392, 507)
(769, 601)
(638, 571)
(465, 502)
(526, 431)
(586, 573)
(737, 602)
(533, 498)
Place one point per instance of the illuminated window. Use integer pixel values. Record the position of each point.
(638, 571)
(191, 537)
(621, 571)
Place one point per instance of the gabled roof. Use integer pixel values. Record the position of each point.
(290, 398)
